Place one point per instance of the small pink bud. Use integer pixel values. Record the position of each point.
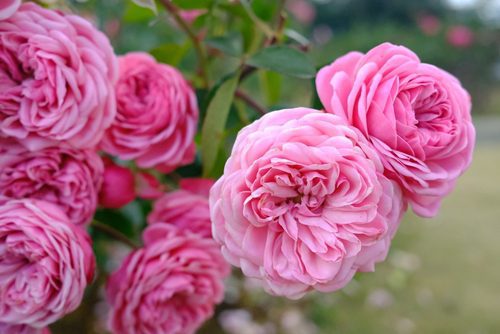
(118, 187)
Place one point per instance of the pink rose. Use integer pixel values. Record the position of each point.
(22, 329)
(67, 177)
(187, 208)
(56, 79)
(157, 115)
(429, 24)
(118, 187)
(8, 8)
(169, 286)
(460, 36)
(416, 115)
(303, 203)
(45, 263)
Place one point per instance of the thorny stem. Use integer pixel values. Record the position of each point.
(202, 59)
(115, 234)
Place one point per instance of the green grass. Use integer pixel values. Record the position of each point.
(455, 287)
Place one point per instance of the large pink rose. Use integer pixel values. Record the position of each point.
(45, 263)
(187, 208)
(416, 115)
(67, 177)
(157, 115)
(8, 8)
(169, 286)
(56, 79)
(303, 203)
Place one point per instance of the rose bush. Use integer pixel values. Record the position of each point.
(415, 115)
(303, 203)
(56, 79)
(171, 285)
(45, 263)
(157, 115)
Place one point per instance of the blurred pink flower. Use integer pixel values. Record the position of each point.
(22, 329)
(56, 79)
(147, 186)
(303, 10)
(8, 8)
(46, 262)
(67, 177)
(186, 208)
(460, 36)
(170, 286)
(191, 15)
(429, 24)
(303, 203)
(157, 115)
(415, 115)
(118, 187)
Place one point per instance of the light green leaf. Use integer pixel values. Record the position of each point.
(151, 4)
(284, 60)
(212, 131)
(271, 83)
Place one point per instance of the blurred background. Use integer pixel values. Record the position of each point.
(443, 274)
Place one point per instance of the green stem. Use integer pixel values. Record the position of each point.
(115, 234)
(202, 59)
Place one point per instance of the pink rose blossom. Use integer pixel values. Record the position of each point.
(157, 115)
(8, 8)
(148, 186)
(45, 263)
(429, 24)
(303, 10)
(303, 203)
(416, 115)
(187, 208)
(192, 14)
(170, 286)
(56, 77)
(22, 329)
(67, 177)
(118, 187)
(460, 36)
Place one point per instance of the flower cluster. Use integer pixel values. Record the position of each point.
(308, 198)
(66, 101)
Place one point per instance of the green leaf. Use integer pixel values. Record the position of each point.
(212, 131)
(135, 13)
(230, 44)
(271, 83)
(150, 4)
(170, 53)
(193, 4)
(284, 60)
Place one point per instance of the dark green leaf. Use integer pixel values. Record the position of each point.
(230, 44)
(212, 131)
(284, 60)
(193, 4)
(170, 53)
